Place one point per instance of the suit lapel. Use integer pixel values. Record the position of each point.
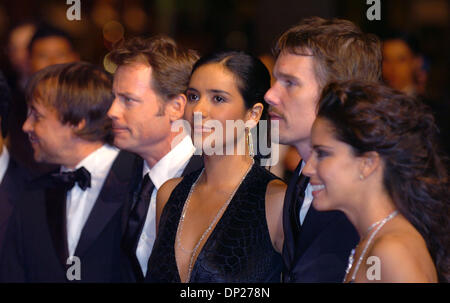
(14, 181)
(288, 212)
(299, 199)
(112, 196)
(195, 163)
(315, 221)
(56, 218)
(6, 183)
(7, 189)
(132, 193)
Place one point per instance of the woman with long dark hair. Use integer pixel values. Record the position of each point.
(375, 158)
(222, 223)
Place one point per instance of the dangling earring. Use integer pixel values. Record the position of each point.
(361, 177)
(250, 143)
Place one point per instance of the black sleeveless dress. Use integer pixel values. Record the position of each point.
(239, 248)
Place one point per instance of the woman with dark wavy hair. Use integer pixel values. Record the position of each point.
(375, 158)
(222, 223)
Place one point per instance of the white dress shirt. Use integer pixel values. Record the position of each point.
(170, 166)
(307, 201)
(79, 203)
(4, 161)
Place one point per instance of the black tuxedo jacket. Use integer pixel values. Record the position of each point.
(317, 250)
(14, 180)
(36, 245)
(131, 269)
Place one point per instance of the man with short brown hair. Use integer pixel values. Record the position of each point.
(149, 84)
(309, 56)
(77, 211)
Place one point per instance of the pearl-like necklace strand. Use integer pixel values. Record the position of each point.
(208, 229)
(352, 254)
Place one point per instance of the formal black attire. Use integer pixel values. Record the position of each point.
(12, 185)
(133, 223)
(318, 249)
(36, 242)
(239, 249)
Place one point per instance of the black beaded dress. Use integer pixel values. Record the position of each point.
(239, 248)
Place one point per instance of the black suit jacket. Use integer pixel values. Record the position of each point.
(36, 245)
(317, 250)
(131, 268)
(14, 180)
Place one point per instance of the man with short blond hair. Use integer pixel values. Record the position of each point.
(149, 84)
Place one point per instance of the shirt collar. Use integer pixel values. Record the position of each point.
(301, 167)
(4, 161)
(172, 164)
(98, 162)
(308, 199)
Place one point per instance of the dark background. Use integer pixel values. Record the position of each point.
(251, 25)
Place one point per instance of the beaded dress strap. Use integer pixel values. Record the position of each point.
(384, 221)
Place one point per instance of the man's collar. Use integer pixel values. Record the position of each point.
(172, 164)
(4, 161)
(95, 161)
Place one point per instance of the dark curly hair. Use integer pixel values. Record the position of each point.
(402, 130)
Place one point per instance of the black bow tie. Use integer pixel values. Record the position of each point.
(68, 179)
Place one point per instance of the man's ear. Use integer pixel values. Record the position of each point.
(174, 109)
(79, 126)
(370, 164)
(253, 115)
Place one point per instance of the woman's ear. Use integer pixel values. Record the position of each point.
(370, 164)
(253, 115)
(175, 107)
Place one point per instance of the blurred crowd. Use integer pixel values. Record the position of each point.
(33, 46)
(349, 143)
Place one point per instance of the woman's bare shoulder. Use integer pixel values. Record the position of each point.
(170, 184)
(276, 189)
(163, 195)
(166, 189)
(403, 257)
